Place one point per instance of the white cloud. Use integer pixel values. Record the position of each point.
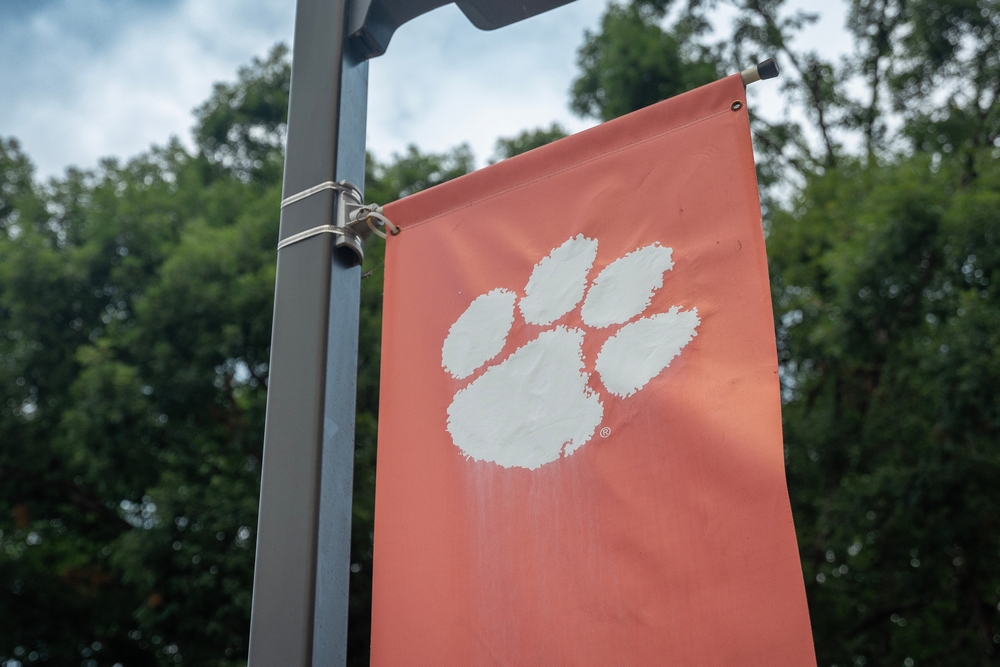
(443, 82)
(82, 79)
(86, 79)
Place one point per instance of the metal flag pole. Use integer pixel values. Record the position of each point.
(302, 570)
(303, 538)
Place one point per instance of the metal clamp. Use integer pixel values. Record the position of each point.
(354, 221)
(343, 186)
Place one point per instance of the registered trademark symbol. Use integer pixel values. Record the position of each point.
(605, 432)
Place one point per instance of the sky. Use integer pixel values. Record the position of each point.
(85, 79)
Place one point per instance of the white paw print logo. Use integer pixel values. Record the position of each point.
(535, 406)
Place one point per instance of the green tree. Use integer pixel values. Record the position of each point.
(882, 261)
(883, 285)
(135, 315)
(632, 62)
(135, 304)
(241, 128)
(508, 147)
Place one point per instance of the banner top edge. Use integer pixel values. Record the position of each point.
(664, 117)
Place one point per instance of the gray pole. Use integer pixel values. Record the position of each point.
(300, 594)
(300, 590)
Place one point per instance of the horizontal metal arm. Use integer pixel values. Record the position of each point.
(373, 22)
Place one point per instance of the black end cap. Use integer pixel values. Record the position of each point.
(768, 69)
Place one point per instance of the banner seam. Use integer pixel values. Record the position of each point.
(565, 169)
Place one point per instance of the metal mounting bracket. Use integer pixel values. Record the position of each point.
(353, 220)
(359, 221)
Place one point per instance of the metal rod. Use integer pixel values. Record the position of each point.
(763, 70)
(299, 615)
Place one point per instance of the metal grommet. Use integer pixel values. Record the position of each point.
(736, 106)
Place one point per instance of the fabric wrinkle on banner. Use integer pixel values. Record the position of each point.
(580, 458)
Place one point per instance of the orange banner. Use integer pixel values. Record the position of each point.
(580, 456)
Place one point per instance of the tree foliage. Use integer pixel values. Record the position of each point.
(135, 302)
(890, 345)
(135, 305)
(241, 127)
(632, 62)
(883, 214)
(508, 147)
